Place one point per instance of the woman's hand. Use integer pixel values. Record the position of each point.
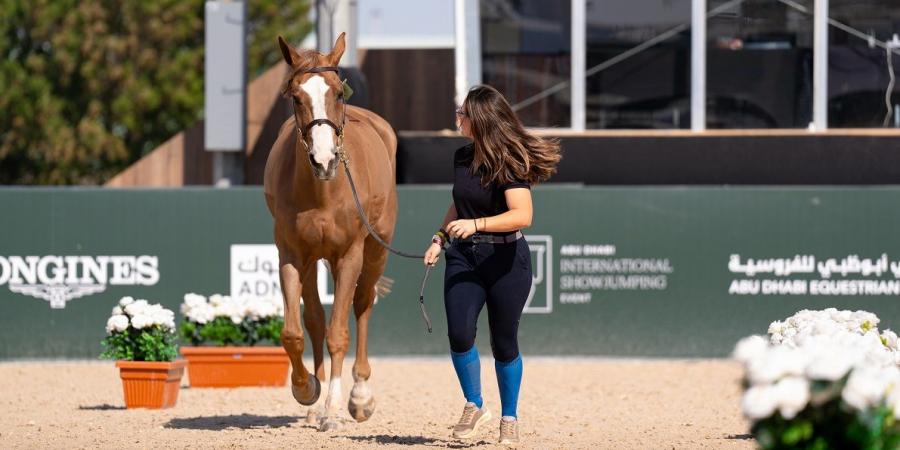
(432, 254)
(461, 228)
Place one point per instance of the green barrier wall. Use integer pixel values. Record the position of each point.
(661, 272)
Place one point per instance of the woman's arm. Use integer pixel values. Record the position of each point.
(450, 216)
(518, 200)
(434, 250)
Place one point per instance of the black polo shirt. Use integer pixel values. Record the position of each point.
(472, 200)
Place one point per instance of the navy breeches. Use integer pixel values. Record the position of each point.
(498, 275)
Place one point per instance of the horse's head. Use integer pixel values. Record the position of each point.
(317, 93)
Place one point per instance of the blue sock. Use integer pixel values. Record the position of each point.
(509, 378)
(468, 370)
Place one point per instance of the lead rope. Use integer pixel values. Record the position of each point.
(344, 159)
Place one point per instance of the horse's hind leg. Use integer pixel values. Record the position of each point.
(314, 319)
(305, 388)
(362, 402)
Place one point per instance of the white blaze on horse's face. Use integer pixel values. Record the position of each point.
(322, 149)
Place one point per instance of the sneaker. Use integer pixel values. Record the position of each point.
(472, 418)
(509, 431)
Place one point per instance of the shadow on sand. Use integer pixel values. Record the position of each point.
(103, 407)
(243, 422)
(384, 439)
(739, 436)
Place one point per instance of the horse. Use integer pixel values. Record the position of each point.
(315, 217)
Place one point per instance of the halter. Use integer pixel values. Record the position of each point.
(338, 130)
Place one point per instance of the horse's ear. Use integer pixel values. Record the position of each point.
(291, 57)
(338, 50)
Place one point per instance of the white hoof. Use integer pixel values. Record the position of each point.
(330, 424)
(361, 409)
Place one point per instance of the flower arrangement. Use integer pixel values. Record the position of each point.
(222, 320)
(822, 379)
(139, 331)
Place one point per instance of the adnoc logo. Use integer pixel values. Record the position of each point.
(59, 279)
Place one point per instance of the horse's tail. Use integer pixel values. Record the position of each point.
(383, 286)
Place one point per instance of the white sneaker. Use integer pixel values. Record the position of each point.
(509, 431)
(472, 418)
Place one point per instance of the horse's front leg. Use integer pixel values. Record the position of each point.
(362, 401)
(305, 388)
(346, 273)
(314, 319)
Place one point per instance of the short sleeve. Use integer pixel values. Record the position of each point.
(516, 184)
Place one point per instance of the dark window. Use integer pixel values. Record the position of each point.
(525, 50)
(628, 85)
(760, 64)
(858, 73)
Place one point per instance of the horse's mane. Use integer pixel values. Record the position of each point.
(307, 60)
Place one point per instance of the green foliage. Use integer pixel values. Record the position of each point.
(150, 344)
(91, 86)
(221, 331)
(832, 425)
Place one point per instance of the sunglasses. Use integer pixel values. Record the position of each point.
(460, 112)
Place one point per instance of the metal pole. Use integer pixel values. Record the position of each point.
(467, 54)
(698, 65)
(346, 21)
(324, 25)
(820, 65)
(578, 60)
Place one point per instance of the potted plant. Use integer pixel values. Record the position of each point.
(225, 334)
(141, 338)
(822, 379)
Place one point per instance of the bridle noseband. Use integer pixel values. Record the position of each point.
(303, 130)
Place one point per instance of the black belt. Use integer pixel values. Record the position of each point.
(490, 238)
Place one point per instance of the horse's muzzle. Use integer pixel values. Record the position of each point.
(328, 172)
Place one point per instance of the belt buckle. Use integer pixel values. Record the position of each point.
(478, 239)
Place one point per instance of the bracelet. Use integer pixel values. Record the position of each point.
(442, 233)
(475, 221)
(437, 240)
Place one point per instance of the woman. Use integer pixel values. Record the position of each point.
(489, 261)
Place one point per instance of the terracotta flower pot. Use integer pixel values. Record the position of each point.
(150, 384)
(236, 366)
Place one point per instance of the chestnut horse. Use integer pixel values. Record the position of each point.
(316, 218)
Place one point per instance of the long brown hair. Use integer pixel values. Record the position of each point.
(504, 151)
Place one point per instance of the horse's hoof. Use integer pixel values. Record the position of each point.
(330, 424)
(307, 398)
(361, 411)
(313, 417)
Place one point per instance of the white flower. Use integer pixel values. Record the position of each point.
(141, 321)
(889, 339)
(200, 310)
(759, 402)
(867, 386)
(136, 308)
(117, 322)
(775, 363)
(117, 311)
(125, 301)
(749, 348)
(893, 400)
(218, 299)
(831, 362)
(793, 395)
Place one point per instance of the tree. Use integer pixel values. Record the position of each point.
(92, 85)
